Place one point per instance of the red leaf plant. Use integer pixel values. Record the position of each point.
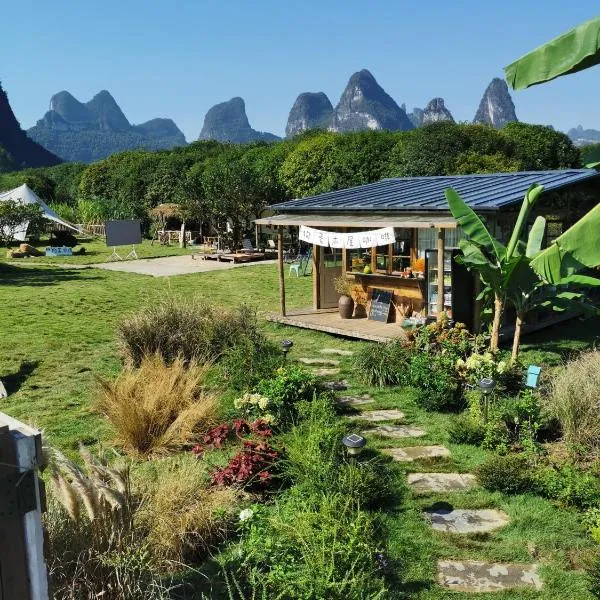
(248, 468)
(240, 427)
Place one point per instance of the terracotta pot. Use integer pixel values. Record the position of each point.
(346, 307)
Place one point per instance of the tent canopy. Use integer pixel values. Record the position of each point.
(25, 195)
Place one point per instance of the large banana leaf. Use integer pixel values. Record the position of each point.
(576, 249)
(531, 196)
(473, 258)
(573, 51)
(473, 226)
(536, 237)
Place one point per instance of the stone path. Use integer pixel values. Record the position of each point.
(335, 386)
(325, 372)
(395, 431)
(320, 362)
(378, 415)
(476, 576)
(355, 400)
(336, 351)
(440, 482)
(459, 520)
(413, 453)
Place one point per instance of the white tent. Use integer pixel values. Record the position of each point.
(25, 195)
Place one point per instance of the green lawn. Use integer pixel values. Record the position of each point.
(96, 251)
(58, 331)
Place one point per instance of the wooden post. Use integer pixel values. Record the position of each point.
(390, 266)
(316, 256)
(440, 267)
(345, 257)
(374, 259)
(280, 268)
(413, 246)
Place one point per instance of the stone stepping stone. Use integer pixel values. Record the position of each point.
(477, 576)
(441, 482)
(335, 386)
(336, 351)
(355, 400)
(395, 431)
(462, 520)
(378, 415)
(324, 372)
(413, 453)
(321, 362)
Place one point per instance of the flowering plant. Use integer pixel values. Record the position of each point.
(478, 366)
(254, 406)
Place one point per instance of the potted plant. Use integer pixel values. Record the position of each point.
(343, 286)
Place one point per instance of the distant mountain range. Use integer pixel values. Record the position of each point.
(17, 151)
(85, 132)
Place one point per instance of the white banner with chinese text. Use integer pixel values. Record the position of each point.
(350, 241)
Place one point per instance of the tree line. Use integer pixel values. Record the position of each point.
(215, 183)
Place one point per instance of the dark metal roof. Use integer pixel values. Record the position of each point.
(481, 192)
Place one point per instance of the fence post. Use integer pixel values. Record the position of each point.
(23, 573)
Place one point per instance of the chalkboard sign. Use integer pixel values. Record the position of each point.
(123, 233)
(380, 305)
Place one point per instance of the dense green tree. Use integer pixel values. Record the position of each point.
(307, 169)
(474, 162)
(13, 215)
(590, 154)
(539, 147)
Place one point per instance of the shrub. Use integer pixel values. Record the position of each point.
(592, 570)
(465, 430)
(382, 364)
(158, 408)
(289, 386)
(310, 547)
(574, 401)
(510, 474)
(190, 329)
(569, 486)
(183, 515)
(436, 382)
(251, 359)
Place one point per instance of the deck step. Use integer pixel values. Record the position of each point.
(395, 431)
(413, 453)
(464, 520)
(320, 362)
(378, 415)
(476, 576)
(440, 482)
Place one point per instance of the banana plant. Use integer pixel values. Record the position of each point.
(481, 252)
(524, 275)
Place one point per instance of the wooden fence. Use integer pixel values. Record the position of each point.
(23, 574)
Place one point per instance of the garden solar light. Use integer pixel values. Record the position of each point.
(354, 443)
(487, 385)
(286, 346)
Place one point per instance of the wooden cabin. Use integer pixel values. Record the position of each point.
(418, 266)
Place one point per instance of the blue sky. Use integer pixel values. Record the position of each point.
(176, 59)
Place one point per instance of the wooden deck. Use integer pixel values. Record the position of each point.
(329, 321)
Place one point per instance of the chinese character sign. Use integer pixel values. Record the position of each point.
(350, 241)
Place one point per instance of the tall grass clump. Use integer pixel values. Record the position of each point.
(158, 407)
(382, 364)
(575, 402)
(186, 328)
(94, 549)
(185, 517)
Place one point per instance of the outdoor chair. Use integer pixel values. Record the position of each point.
(271, 245)
(247, 246)
(300, 266)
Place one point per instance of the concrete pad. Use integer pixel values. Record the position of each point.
(321, 362)
(459, 520)
(336, 351)
(335, 386)
(413, 453)
(324, 372)
(168, 266)
(378, 415)
(441, 482)
(477, 576)
(395, 431)
(355, 400)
